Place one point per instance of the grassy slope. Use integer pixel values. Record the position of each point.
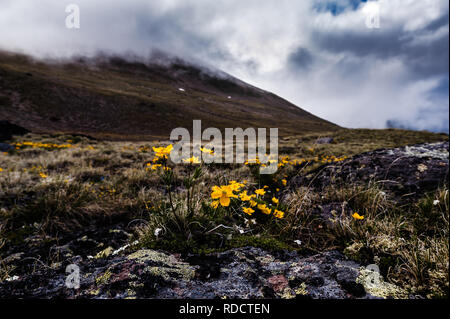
(114, 99)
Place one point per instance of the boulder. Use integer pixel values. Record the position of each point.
(7, 130)
(325, 140)
(4, 147)
(410, 170)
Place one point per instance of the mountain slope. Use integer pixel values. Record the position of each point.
(113, 98)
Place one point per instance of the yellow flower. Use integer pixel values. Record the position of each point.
(284, 182)
(215, 204)
(42, 175)
(263, 208)
(223, 194)
(245, 197)
(253, 203)
(260, 192)
(1, 169)
(275, 200)
(253, 162)
(163, 151)
(357, 216)
(235, 186)
(285, 160)
(156, 166)
(207, 151)
(248, 211)
(278, 214)
(192, 160)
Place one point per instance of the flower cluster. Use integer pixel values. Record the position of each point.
(256, 162)
(163, 152)
(162, 155)
(47, 146)
(39, 170)
(160, 159)
(222, 196)
(332, 159)
(155, 166)
(285, 160)
(104, 191)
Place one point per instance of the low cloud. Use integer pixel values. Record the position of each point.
(318, 54)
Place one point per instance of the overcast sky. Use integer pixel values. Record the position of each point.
(318, 54)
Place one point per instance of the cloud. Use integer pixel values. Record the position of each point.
(318, 54)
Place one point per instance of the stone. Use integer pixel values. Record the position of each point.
(325, 140)
(7, 130)
(4, 147)
(411, 170)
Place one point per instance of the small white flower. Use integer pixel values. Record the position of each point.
(239, 229)
(158, 231)
(436, 202)
(298, 242)
(13, 278)
(181, 90)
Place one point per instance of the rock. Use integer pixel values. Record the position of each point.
(238, 273)
(325, 140)
(412, 170)
(5, 147)
(7, 130)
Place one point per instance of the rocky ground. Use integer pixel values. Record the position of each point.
(110, 265)
(238, 273)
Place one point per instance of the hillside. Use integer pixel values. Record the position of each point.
(121, 99)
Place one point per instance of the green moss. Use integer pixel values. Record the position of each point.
(266, 243)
